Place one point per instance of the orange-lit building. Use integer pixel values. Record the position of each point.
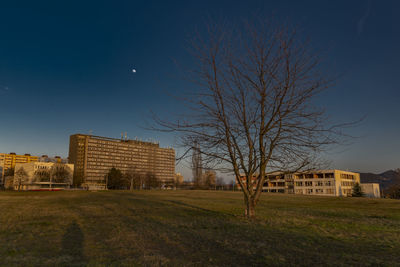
(317, 182)
(8, 161)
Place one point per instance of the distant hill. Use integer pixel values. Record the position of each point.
(385, 179)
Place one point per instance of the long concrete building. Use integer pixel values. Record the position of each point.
(317, 182)
(93, 156)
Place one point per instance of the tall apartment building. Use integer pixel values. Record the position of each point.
(94, 156)
(318, 182)
(8, 161)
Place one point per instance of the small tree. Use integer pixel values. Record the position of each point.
(151, 181)
(393, 191)
(78, 179)
(61, 173)
(134, 179)
(9, 172)
(357, 191)
(42, 175)
(115, 179)
(20, 177)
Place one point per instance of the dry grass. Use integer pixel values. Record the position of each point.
(194, 228)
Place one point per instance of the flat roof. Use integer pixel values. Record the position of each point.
(133, 141)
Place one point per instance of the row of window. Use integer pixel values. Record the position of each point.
(141, 154)
(347, 176)
(313, 175)
(308, 191)
(131, 148)
(118, 143)
(347, 183)
(159, 165)
(317, 183)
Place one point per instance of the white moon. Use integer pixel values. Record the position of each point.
(133, 70)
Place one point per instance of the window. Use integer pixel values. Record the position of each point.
(299, 183)
(308, 183)
(347, 183)
(309, 191)
(330, 191)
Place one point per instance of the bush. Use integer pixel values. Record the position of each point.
(357, 191)
(394, 191)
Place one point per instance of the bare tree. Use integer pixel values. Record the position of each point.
(151, 181)
(255, 110)
(134, 178)
(78, 179)
(42, 175)
(20, 177)
(61, 173)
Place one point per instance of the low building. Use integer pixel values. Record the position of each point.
(43, 175)
(371, 190)
(8, 162)
(318, 182)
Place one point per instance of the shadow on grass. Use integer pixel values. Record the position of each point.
(154, 231)
(72, 244)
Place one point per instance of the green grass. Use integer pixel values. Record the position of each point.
(195, 228)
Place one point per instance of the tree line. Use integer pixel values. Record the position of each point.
(131, 180)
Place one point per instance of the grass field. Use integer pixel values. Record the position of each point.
(195, 228)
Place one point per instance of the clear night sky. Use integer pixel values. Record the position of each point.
(65, 67)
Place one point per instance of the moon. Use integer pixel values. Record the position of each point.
(133, 71)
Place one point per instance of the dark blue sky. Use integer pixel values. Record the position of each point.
(65, 67)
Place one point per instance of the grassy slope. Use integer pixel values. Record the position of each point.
(194, 228)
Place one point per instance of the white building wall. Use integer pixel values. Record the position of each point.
(31, 180)
(371, 190)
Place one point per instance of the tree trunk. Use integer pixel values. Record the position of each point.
(131, 187)
(250, 211)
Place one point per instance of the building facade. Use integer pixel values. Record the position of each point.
(43, 175)
(94, 156)
(318, 182)
(371, 190)
(8, 161)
